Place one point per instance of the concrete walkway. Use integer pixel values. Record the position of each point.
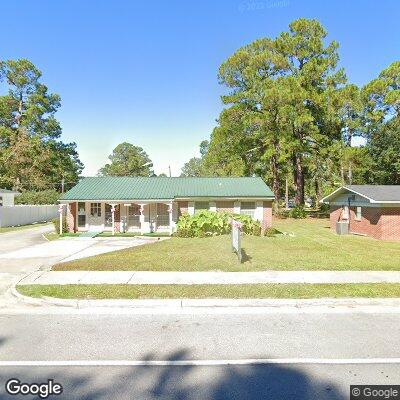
(209, 278)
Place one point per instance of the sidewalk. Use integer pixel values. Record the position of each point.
(208, 278)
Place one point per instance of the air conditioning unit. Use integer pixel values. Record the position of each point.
(342, 228)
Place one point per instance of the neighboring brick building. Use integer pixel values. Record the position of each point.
(142, 204)
(370, 210)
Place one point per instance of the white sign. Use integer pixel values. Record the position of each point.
(236, 238)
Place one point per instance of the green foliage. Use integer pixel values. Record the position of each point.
(297, 212)
(44, 197)
(32, 156)
(56, 223)
(209, 223)
(384, 147)
(128, 160)
(196, 166)
(271, 232)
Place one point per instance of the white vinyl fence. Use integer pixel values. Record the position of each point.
(26, 214)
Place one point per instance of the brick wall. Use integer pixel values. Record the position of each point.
(226, 206)
(369, 224)
(182, 208)
(379, 223)
(335, 214)
(390, 223)
(267, 214)
(117, 218)
(71, 217)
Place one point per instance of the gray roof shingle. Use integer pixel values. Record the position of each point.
(377, 192)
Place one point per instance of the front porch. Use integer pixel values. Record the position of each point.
(106, 216)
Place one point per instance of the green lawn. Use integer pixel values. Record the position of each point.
(313, 247)
(17, 228)
(298, 291)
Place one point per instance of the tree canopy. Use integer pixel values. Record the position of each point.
(128, 160)
(32, 156)
(292, 117)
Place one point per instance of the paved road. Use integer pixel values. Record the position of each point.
(215, 337)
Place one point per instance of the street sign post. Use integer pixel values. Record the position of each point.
(236, 238)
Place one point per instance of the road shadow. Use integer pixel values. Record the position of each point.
(188, 382)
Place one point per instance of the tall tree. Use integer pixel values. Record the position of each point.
(287, 88)
(195, 166)
(32, 156)
(128, 160)
(382, 96)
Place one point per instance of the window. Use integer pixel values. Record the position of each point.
(81, 215)
(248, 208)
(201, 205)
(95, 209)
(358, 214)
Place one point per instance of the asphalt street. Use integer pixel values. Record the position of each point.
(77, 338)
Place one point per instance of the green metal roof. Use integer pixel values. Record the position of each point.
(141, 188)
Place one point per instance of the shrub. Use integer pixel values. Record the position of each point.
(269, 232)
(56, 223)
(210, 223)
(298, 212)
(44, 197)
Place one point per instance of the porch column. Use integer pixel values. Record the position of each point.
(61, 211)
(113, 218)
(170, 217)
(141, 217)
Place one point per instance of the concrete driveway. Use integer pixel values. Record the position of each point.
(23, 238)
(26, 251)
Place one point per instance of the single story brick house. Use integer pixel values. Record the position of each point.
(141, 204)
(370, 210)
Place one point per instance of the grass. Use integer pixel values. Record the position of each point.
(275, 291)
(313, 247)
(130, 234)
(21, 227)
(54, 236)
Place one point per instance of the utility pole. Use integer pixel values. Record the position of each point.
(169, 169)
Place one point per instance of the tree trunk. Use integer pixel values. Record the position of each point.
(350, 173)
(299, 180)
(342, 173)
(317, 193)
(275, 183)
(286, 193)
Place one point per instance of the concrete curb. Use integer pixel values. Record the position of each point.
(208, 303)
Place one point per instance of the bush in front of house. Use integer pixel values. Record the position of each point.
(56, 223)
(210, 223)
(49, 196)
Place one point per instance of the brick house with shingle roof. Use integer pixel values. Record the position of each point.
(141, 204)
(370, 210)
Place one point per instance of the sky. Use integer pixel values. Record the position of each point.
(145, 72)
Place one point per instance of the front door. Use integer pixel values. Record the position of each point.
(96, 218)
